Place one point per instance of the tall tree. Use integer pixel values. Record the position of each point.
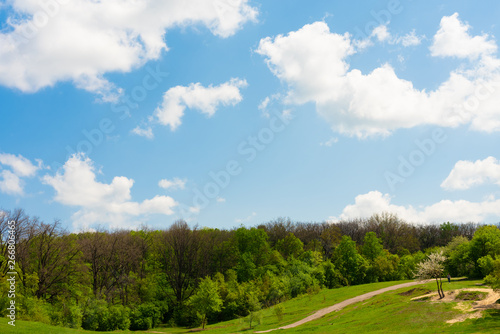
(206, 300)
(178, 251)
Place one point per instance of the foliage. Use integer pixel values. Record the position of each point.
(140, 279)
(206, 300)
(279, 311)
(351, 265)
(432, 268)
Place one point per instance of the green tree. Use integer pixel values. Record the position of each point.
(494, 277)
(254, 307)
(486, 241)
(458, 262)
(351, 265)
(290, 246)
(206, 300)
(372, 246)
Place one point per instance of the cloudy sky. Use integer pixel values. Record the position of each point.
(119, 113)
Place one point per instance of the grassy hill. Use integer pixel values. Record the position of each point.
(391, 312)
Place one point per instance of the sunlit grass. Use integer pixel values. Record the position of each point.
(391, 312)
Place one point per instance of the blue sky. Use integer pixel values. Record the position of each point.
(232, 112)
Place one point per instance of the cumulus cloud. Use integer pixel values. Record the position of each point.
(313, 63)
(374, 202)
(467, 174)
(82, 40)
(173, 184)
(76, 185)
(11, 180)
(453, 40)
(195, 96)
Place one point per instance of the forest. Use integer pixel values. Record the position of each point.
(189, 275)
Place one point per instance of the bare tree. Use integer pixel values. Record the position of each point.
(178, 251)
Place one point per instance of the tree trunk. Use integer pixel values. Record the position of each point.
(440, 288)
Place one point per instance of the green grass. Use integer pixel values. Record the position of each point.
(391, 312)
(471, 295)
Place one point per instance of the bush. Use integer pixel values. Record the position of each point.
(66, 315)
(101, 317)
(94, 313)
(33, 309)
(279, 311)
(146, 316)
(118, 318)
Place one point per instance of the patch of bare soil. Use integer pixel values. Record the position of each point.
(414, 291)
(470, 310)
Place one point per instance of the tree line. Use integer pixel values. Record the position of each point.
(182, 275)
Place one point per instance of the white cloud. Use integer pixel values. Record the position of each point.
(98, 202)
(330, 142)
(467, 174)
(176, 183)
(194, 209)
(453, 40)
(11, 181)
(312, 62)
(263, 105)
(221, 200)
(82, 40)
(410, 39)
(19, 164)
(247, 219)
(373, 202)
(381, 33)
(143, 132)
(196, 96)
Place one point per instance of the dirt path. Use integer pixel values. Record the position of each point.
(341, 305)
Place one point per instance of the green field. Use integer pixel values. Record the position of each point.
(391, 312)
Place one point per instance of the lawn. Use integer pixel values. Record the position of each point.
(391, 312)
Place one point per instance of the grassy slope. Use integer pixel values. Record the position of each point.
(386, 313)
(393, 313)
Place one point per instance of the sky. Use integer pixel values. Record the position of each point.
(124, 113)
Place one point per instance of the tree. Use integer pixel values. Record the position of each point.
(486, 242)
(372, 246)
(178, 251)
(330, 237)
(206, 300)
(493, 278)
(290, 246)
(254, 307)
(458, 261)
(432, 268)
(351, 265)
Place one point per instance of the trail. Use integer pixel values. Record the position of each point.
(341, 305)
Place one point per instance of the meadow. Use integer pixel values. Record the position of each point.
(390, 312)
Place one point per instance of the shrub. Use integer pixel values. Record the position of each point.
(33, 309)
(67, 315)
(146, 316)
(279, 311)
(101, 317)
